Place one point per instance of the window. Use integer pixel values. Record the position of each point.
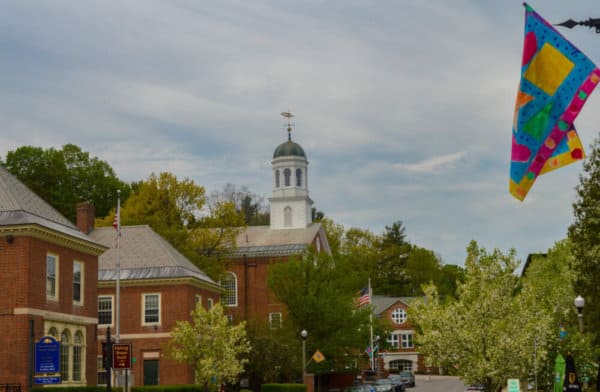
(198, 301)
(77, 355)
(287, 173)
(52, 277)
(399, 316)
(101, 371)
(209, 304)
(64, 354)
(394, 340)
(78, 282)
(407, 341)
(275, 320)
(401, 365)
(72, 350)
(151, 308)
(287, 216)
(229, 283)
(401, 340)
(105, 307)
(298, 177)
(277, 178)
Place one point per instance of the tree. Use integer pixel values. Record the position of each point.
(270, 360)
(319, 293)
(583, 234)
(489, 332)
(422, 267)
(214, 348)
(391, 273)
(252, 206)
(66, 177)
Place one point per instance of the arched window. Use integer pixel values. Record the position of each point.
(298, 177)
(53, 332)
(399, 316)
(229, 283)
(77, 355)
(287, 173)
(287, 216)
(277, 178)
(65, 345)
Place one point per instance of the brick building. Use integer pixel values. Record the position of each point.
(48, 282)
(290, 232)
(402, 356)
(158, 286)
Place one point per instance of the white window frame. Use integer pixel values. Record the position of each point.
(399, 316)
(406, 340)
(81, 282)
(144, 322)
(72, 329)
(112, 310)
(230, 298)
(210, 303)
(394, 339)
(53, 296)
(274, 319)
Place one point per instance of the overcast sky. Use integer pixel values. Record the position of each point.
(404, 108)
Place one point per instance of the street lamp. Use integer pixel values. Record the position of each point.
(579, 303)
(303, 335)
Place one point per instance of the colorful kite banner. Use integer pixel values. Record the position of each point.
(556, 79)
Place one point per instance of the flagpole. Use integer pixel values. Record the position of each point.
(118, 295)
(371, 326)
(118, 288)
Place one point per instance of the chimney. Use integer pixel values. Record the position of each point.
(86, 215)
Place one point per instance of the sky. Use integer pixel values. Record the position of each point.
(404, 108)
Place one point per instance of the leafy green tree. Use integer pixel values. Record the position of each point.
(319, 293)
(450, 276)
(253, 207)
(271, 359)
(422, 267)
(215, 349)
(583, 234)
(334, 233)
(177, 210)
(490, 332)
(66, 177)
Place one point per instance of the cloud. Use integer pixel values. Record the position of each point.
(432, 165)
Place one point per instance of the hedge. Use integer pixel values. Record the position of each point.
(283, 388)
(74, 389)
(168, 388)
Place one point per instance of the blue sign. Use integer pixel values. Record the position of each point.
(47, 355)
(48, 380)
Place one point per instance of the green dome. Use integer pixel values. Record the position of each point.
(289, 148)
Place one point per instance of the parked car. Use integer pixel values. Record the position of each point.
(388, 385)
(408, 378)
(477, 387)
(360, 388)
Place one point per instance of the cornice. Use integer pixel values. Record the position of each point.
(45, 234)
(161, 282)
(55, 316)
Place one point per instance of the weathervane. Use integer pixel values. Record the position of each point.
(288, 115)
(591, 22)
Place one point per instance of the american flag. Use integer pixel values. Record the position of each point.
(364, 297)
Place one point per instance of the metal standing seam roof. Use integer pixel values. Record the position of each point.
(143, 254)
(264, 241)
(19, 205)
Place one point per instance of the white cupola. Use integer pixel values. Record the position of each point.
(291, 207)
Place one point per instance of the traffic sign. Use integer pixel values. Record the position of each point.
(513, 385)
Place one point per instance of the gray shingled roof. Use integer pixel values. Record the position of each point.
(20, 206)
(143, 254)
(381, 303)
(264, 241)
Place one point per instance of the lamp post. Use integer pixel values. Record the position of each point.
(579, 303)
(303, 335)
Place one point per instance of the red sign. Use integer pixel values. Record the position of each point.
(122, 355)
